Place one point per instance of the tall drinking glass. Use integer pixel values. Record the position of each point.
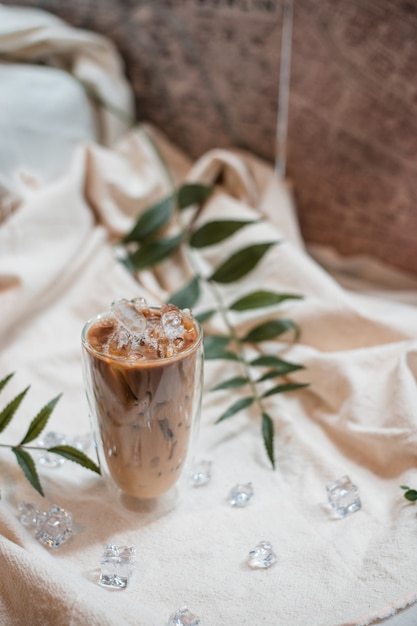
(143, 371)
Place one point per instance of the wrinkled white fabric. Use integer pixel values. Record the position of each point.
(358, 344)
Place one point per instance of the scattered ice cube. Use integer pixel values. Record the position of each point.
(343, 497)
(171, 318)
(29, 514)
(183, 617)
(82, 442)
(200, 473)
(53, 439)
(54, 527)
(262, 556)
(128, 316)
(116, 563)
(240, 495)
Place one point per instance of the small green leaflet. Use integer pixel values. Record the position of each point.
(268, 437)
(193, 193)
(152, 220)
(231, 383)
(72, 454)
(283, 388)
(5, 380)
(411, 495)
(39, 422)
(150, 254)
(259, 299)
(213, 343)
(187, 296)
(269, 360)
(29, 469)
(240, 263)
(8, 412)
(215, 348)
(239, 405)
(280, 371)
(214, 232)
(204, 315)
(270, 330)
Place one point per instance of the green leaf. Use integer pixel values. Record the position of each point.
(226, 355)
(215, 348)
(268, 437)
(404, 487)
(270, 330)
(5, 380)
(72, 454)
(187, 296)
(215, 344)
(240, 263)
(269, 360)
(29, 469)
(239, 405)
(8, 412)
(411, 495)
(205, 315)
(193, 193)
(150, 254)
(283, 388)
(151, 220)
(231, 383)
(259, 299)
(39, 422)
(216, 231)
(280, 371)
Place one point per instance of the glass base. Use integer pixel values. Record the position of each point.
(147, 507)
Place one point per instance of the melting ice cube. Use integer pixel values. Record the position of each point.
(54, 527)
(128, 315)
(53, 439)
(29, 513)
(172, 321)
(116, 566)
(343, 497)
(200, 473)
(183, 617)
(240, 495)
(262, 555)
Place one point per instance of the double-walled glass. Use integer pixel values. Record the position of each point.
(145, 417)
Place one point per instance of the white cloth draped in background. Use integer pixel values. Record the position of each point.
(72, 180)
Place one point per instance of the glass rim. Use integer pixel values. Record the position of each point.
(132, 361)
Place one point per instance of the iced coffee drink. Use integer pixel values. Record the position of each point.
(143, 369)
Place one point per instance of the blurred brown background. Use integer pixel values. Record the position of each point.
(206, 72)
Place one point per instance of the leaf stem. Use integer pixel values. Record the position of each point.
(239, 344)
(6, 445)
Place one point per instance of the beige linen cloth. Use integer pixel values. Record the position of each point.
(72, 181)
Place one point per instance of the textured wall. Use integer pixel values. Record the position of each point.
(206, 71)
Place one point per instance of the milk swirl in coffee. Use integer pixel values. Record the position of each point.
(140, 366)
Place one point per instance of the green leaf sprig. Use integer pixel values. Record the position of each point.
(22, 451)
(148, 244)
